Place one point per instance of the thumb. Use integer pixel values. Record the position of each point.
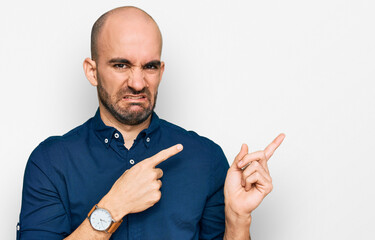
(243, 152)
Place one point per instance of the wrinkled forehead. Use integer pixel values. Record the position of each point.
(130, 35)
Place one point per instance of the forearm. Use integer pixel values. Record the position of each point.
(85, 231)
(236, 227)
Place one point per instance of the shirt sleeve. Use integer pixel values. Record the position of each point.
(43, 215)
(212, 223)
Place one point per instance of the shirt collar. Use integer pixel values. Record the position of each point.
(106, 133)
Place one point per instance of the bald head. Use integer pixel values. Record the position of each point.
(128, 17)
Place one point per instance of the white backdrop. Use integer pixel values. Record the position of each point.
(236, 71)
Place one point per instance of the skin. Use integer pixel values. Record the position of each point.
(128, 43)
(128, 67)
(247, 183)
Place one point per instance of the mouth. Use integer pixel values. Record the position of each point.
(135, 98)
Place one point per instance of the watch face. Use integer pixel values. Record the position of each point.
(100, 219)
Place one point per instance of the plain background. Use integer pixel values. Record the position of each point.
(236, 71)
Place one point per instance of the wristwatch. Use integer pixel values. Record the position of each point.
(101, 220)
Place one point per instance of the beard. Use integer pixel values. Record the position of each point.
(124, 114)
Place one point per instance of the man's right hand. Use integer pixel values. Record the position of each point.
(139, 187)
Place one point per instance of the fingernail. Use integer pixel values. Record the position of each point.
(240, 163)
(179, 147)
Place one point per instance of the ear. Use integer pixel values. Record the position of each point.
(89, 66)
(162, 65)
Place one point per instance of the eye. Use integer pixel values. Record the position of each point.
(151, 66)
(120, 65)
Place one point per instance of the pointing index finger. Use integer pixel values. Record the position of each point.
(270, 149)
(165, 154)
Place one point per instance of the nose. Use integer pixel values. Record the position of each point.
(137, 80)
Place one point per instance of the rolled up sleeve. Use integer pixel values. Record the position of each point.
(212, 223)
(43, 215)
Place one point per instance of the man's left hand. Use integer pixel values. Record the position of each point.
(248, 180)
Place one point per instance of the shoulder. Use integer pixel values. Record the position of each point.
(176, 131)
(53, 149)
(191, 140)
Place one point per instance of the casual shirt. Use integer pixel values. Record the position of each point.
(67, 175)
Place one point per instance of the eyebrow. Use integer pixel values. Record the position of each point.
(119, 60)
(126, 61)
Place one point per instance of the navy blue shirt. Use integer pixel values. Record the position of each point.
(67, 175)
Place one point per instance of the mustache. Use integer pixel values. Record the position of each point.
(126, 91)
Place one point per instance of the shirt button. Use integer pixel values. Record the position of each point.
(116, 135)
(106, 140)
(148, 139)
(131, 161)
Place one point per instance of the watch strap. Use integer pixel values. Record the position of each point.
(113, 227)
(92, 209)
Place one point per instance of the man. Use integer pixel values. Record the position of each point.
(125, 173)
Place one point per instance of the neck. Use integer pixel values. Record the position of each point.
(129, 132)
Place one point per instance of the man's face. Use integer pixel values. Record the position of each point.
(129, 70)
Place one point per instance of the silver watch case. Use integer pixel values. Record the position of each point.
(100, 219)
